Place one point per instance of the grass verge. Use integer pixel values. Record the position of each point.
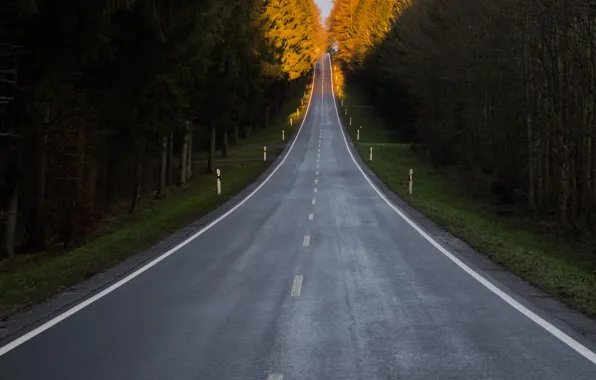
(566, 272)
(36, 278)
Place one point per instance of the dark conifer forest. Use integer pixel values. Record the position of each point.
(105, 101)
(504, 91)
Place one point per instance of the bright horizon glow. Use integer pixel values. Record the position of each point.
(325, 7)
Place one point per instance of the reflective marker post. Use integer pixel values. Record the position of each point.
(290, 122)
(350, 122)
(283, 138)
(345, 113)
(218, 182)
(411, 180)
(358, 135)
(371, 153)
(265, 153)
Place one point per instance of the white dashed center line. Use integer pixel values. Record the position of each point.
(306, 241)
(311, 216)
(296, 288)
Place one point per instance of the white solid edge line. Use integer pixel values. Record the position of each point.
(569, 341)
(59, 318)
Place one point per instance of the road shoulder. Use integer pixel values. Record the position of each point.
(36, 315)
(570, 321)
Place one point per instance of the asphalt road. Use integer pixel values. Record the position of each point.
(314, 277)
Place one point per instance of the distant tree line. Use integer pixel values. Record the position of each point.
(503, 90)
(106, 100)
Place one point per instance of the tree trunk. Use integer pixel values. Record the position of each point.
(593, 154)
(548, 167)
(236, 136)
(594, 170)
(170, 160)
(531, 164)
(111, 165)
(564, 194)
(183, 155)
(539, 179)
(587, 205)
(211, 162)
(137, 181)
(8, 241)
(76, 220)
(267, 114)
(573, 197)
(36, 237)
(161, 185)
(189, 156)
(225, 147)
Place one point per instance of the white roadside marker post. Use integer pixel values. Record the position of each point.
(342, 102)
(265, 153)
(411, 181)
(218, 182)
(358, 135)
(290, 122)
(346, 111)
(350, 122)
(283, 138)
(297, 111)
(371, 153)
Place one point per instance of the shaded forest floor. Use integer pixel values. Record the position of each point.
(31, 279)
(564, 268)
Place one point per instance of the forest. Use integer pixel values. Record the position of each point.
(503, 91)
(105, 101)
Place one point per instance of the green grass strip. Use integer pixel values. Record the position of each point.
(553, 265)
(30, 280)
